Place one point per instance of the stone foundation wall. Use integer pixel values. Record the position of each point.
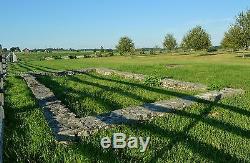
(165, 83)
(66, 126)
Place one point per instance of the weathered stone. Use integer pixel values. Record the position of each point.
(176, 84)
(66, 126)
(59, 117)
(165, 83)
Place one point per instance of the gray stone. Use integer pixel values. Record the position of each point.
(165, 83)
(66, 126)
(176, 84)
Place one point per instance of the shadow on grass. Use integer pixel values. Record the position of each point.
(33, 68)
(112, 89)
(41, 68)
(25, 67)
(213, 122)
(15, 128)
(108, 105)
(235, 109)
(17, 138)
(97, 154)
(205, 150)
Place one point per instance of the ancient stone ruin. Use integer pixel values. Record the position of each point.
(66, 126)
(165, 83)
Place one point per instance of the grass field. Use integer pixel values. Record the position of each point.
(211, 132)
(92, 94)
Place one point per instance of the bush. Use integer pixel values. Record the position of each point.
(212, 49)
(151, 52)
(72, 57)
(98, 55)
(57, 57)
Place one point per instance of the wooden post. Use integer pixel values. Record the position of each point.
(1, 81)
(2, 58)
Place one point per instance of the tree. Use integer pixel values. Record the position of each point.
(15, 49)
(125, 45)
(4, 50)
(233, 39)
(196, 39)
(169, 42)
(101, 49)
(238, 35)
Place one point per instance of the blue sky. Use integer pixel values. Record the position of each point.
(95, 23)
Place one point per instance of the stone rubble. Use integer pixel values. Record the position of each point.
(66, 126)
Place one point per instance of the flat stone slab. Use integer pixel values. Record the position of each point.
(66, 126)
(61, 120)
(176, 84)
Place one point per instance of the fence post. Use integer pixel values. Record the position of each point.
(2, 73)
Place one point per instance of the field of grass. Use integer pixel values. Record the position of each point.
(92, 94)
(210, 132)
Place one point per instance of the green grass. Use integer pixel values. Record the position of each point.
(92, 94)
(212, 132)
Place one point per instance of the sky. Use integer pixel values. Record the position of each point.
(83, 24)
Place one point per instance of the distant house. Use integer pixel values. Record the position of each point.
(26, 50)
(11, 57)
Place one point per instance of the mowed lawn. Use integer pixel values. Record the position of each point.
(210, 132)
(93, 94)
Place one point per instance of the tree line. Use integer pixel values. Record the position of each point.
(237, 37)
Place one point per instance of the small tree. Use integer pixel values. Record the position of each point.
(197, 39)
(169, 42)
(125, 45)
(238, 35)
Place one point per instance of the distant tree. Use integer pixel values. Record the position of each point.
(15, 49)
(169, 42)
(0, 47)
(101, 49)
(196, 39)
(125, 45)
(4, 49)
(238, 35)
(233, 38)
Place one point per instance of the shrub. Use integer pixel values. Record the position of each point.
(57, 57)
(212, 49)
(72, 57)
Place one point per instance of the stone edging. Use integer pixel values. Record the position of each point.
(165, 83)
(66, 126)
